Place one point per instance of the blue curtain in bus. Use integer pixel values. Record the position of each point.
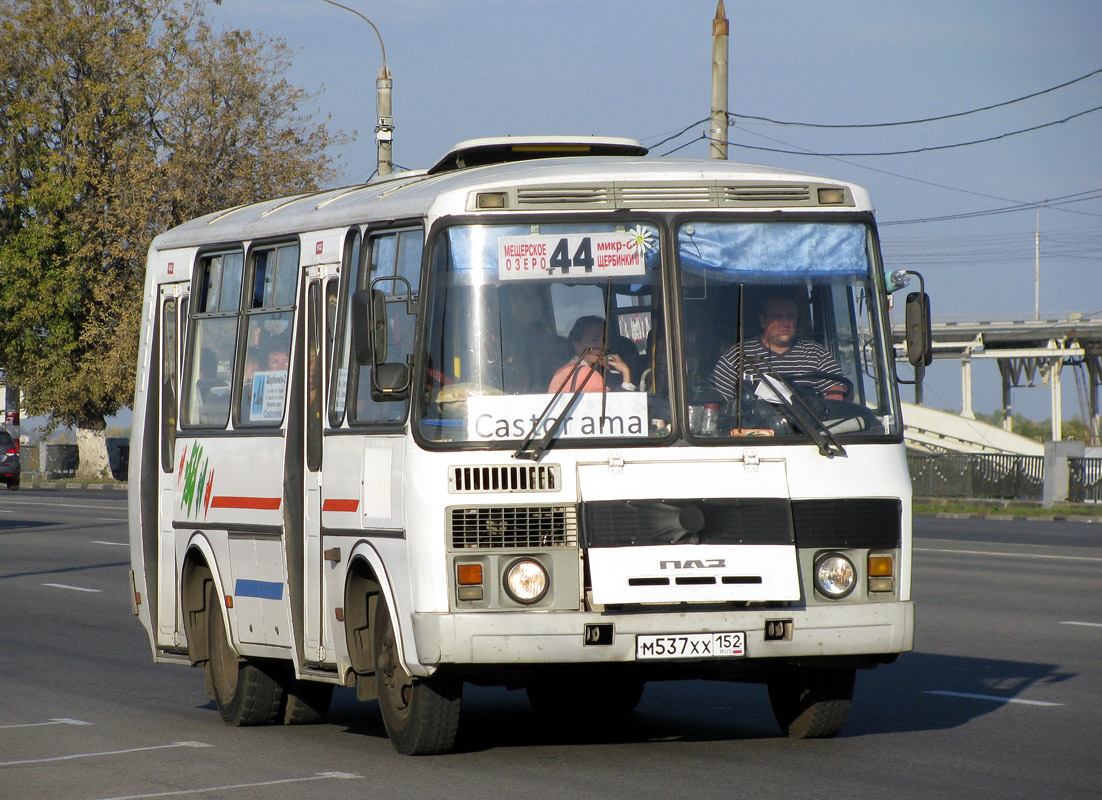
(774, 250)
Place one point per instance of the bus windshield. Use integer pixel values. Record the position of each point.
(560, 331)
(781, 330)
(537, 325)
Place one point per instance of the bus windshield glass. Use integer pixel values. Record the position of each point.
(782, 331)
(545, 329)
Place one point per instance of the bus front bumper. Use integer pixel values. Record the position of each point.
(558, 637)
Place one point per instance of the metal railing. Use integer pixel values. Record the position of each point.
(1085, 480)
(1004, 477)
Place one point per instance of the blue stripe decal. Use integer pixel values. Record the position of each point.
(265, 590)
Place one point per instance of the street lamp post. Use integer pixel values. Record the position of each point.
(384, 130)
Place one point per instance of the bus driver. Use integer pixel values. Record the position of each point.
(781, 350)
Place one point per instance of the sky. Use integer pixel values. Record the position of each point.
(642, 69)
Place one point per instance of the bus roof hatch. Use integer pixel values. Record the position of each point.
(500, 150)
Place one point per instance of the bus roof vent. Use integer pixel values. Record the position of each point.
(663, 196)
(769, 195)
(564, 195)
(501, 150)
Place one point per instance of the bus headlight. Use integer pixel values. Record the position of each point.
(835, 575)
(526, 581)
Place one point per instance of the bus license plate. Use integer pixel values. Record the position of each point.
(691, 645)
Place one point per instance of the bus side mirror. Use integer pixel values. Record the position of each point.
(919, 351)
(369, 326)
(917, 322)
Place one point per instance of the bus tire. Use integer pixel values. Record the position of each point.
(812, 703)
(246, 692)
(421, 715)
(306, 702)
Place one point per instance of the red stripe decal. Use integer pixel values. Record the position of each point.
(250, 503)
(333, 504)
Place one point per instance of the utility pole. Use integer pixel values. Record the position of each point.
(1037, 268)
(384, 130)
(718, 132)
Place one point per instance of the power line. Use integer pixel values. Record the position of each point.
(928, 149)
(682, 147)
(1078, 197)
(920, 121)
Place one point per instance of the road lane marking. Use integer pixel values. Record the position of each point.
(101, 507)
(320, 776)
(51, 722)
(1009, 555)
(112, 544)
(996, 698)
(104, 753)
(74, 588)
(112, 519)
(1085, 624)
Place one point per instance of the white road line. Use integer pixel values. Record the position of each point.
(51, 722)
(321, 776)
(104, 753)
(1085, 624)
(112, 544)
(1010, 555)
(105, 506)
(74, 588)
(112, 519)
(994, 697)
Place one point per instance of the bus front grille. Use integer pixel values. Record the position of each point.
(500, 527)
(504, 478)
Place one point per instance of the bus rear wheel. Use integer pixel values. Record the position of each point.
(305, 702)
(421, 715)
(246, 692)
(812, 703)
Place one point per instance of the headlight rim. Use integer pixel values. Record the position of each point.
(516, 598)
(819, 584)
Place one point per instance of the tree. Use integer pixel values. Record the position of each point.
(120, 119)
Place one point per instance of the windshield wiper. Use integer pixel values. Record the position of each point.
(602, 352)
(800, 411)
(534, 453)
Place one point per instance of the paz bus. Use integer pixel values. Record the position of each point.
(355, 463)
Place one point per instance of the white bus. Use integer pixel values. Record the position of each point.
(508, 421)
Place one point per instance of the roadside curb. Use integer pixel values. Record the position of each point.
(108, 486)
(1012, 517)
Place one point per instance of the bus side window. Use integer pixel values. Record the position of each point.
(267, 327)
(212, 336)
(339, 323)
(168, 384)
(389, 253)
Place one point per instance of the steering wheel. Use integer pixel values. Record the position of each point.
(836, 377)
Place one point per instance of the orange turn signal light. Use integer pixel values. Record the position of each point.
(468, 574)
(880, 566)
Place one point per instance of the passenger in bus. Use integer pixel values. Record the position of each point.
(800, 361)
(585, 370)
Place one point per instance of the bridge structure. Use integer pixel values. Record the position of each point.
(1027, 352)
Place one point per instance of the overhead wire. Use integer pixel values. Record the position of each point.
(927, 119)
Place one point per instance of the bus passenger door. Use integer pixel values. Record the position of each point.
(315, 645)
(173, 311)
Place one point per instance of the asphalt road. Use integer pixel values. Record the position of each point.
(999, 700)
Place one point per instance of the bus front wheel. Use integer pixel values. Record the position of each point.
(811, 703)
(421, 715)
(246, 692)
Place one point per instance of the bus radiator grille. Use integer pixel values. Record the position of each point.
(501, 527)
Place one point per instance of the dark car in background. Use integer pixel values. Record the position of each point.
(9, 460)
